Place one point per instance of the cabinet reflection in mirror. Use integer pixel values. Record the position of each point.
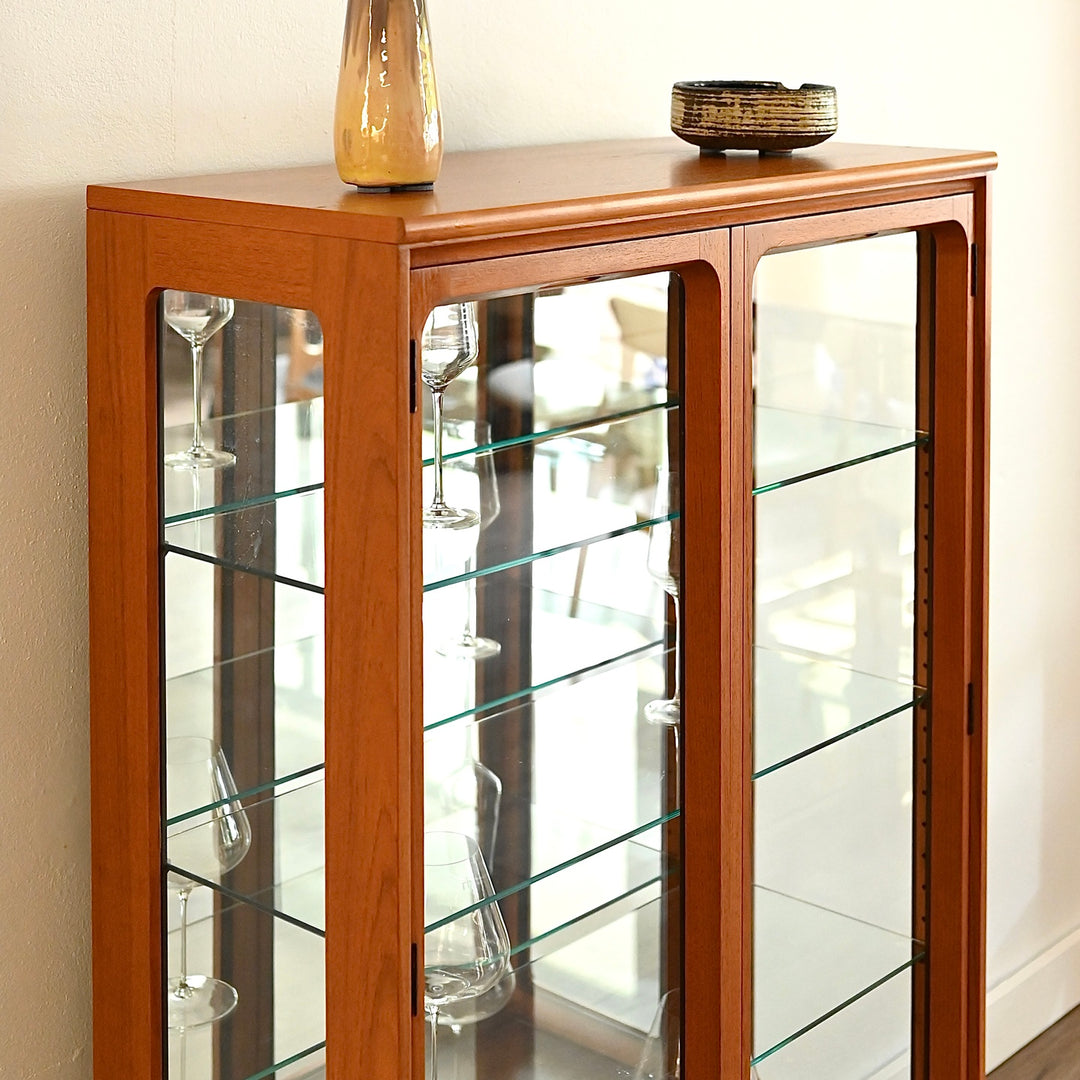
(543, 752)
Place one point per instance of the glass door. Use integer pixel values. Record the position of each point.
(241, 441)
(840, 457)
(552, 921)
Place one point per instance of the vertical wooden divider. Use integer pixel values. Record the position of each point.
(713, 894)
(373, 722)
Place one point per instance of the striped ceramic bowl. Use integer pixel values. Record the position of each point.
(763, 116)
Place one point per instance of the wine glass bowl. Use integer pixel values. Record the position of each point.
(197, 317)
(466, 946)
(448, 346)
(208, 843)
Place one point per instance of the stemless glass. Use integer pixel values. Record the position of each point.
(464, 955)
(477, 473)
(447, 347)
(663, 562)
(197, 317)
(208, 844)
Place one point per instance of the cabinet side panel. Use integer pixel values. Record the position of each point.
(714, 731)
(981, 570)
(124, 656)
(952, 859)
(372, 630)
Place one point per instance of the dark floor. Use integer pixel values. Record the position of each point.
(1054, 1055)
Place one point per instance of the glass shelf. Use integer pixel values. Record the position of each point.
(295, 430)
(802, 705)
(287, 979)
(869, 1037)
(286, 859)
(810, 962)
(834, 567)
(572, 1024)
(577, 868)
(836, 828)
(634, 413)
(297, 710)
(283, 540)
(790, 447)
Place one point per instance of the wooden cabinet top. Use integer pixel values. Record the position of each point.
(515, 191)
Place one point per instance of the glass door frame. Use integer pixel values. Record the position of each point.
(711, 899)
(951, 376)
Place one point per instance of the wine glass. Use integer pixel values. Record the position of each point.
(661, 1056)
(663, 561)
(468, 800)
(465, 955)
(209, 843)
(197, 317)
(448, 346)
(476, 472)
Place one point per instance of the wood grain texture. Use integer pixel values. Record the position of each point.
(124, 657)
(537, 189)
(374, 844)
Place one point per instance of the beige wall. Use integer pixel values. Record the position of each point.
(101, 90)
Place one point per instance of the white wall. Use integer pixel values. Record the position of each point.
(100, 89)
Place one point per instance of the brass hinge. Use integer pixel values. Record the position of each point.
(974, 269)
(412, 375)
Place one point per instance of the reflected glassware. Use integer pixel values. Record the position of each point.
(208, 844)
(197, 317)
(468, 800)
(478, 473)
(464, 955)
(661, 1056)
(448, 346)
(663, 562)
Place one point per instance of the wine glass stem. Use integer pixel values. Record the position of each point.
(678, 636)
(470, 587)
(437, 423)
(433, 1021)
(182, 983)
(196, 386)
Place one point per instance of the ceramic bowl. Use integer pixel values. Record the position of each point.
(764, 116)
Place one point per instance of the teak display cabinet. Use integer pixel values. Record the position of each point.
(789, 880)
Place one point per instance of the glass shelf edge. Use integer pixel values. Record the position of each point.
(270, 1070)
(639, 652)
(548, 553)
(247, 793)
(242, 504)
(920, 439)
(919, 697)
(267, 575)
(916, 957)
(542, 875)
(547, 935)
(534, 437)
(244, 898)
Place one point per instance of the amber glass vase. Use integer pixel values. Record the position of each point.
(387, 126)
